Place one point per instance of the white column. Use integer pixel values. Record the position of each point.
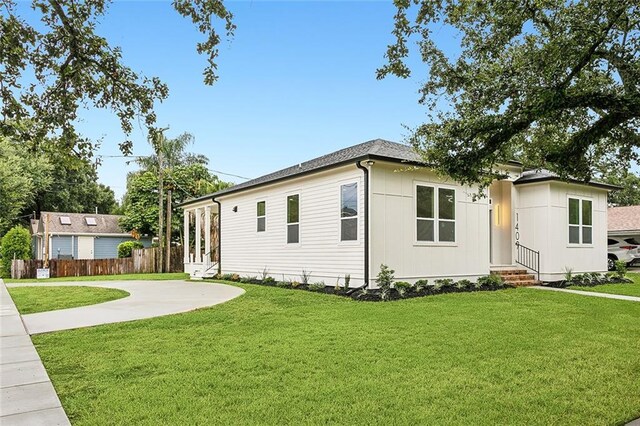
(207, 232)
(187, 213)
(198, 232)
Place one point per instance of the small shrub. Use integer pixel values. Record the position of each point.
(568, 274)
(491, 281)
(235, 277)
(248, 280)
(269, 281)
(621, 269)
(464, 285)
(264, 274)
(442, 284)
(295, 284)
(227, 277)
(421, 285)
(16, 244)
(347, 280)
(402, 287)
(283, 284)
(317, 286)
(125, 248)
(578, 279)
(384, 281)
(611, 277)
(306, 275)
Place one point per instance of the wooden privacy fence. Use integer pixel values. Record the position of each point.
(142, 261)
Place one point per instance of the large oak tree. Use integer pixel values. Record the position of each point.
(554, 83)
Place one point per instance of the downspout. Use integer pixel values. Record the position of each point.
(365, 170)
(219, 236)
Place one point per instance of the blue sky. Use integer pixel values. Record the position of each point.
(297, 81)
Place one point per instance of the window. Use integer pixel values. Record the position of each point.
(349, 212)
(435, 224)
(580, 221)
(262, 216)
(293, 219)
(91, 221)
(65, 220)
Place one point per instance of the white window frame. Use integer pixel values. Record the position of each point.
(436, 215)
(580, 225)
(258, 217)
(286, 218)
(357, 216)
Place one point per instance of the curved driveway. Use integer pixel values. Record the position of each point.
(147, 299)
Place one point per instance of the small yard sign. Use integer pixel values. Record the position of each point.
(42, 273)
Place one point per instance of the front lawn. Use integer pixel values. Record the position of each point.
(631, 289)
(123, 277)
(30, 300)
(277, 356)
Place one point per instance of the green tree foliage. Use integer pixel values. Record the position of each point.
(140, 203)
(125, 248)
(629, 195)
(54, 62)
(553, 82)
(16, 244)
(20, 178)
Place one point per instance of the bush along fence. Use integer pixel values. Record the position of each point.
(142, 261)
(388, 288)
(591, 279)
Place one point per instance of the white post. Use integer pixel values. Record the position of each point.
(198, 232)
(187, 213)
(207, 232)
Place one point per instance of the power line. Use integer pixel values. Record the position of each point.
(229, 174)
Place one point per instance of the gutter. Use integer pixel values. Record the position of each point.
(366, 226)
(219, 235)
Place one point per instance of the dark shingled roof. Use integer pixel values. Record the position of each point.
(379, 149)
(533, 176)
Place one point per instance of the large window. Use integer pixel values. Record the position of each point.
(293, 219)
(580, 221)
(349, 212)
(435, 224)
(261, 215)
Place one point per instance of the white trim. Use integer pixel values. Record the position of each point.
(286, 218)
(436, 219)
(258, 201)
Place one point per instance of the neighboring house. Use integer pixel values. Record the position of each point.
(375, 203)
(624, 222)
(78, 236)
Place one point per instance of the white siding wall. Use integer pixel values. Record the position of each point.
(544, 225)
(247, 252)
(393, 216)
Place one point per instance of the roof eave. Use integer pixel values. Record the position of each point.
(600, 185)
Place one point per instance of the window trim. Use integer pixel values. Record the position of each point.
(258, 217)
(357, 216)
(436, 215)
(580, 226)
(286, 218)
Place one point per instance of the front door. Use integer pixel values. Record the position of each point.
(85, 247)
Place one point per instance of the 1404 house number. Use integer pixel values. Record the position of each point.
(517, 228)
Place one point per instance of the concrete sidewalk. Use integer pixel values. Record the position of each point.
(147, 299)
(590, 293)
(27, 396)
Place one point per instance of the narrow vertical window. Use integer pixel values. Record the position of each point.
(349, 212)
(262, 216)
(293, 219)
(574, 221)
(425, 217)
(587, 222)
(446, 215)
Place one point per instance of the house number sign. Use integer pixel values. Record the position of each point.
(517, 231)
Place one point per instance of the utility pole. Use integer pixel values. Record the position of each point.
(168, 238)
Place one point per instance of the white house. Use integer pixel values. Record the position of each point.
(375, 203)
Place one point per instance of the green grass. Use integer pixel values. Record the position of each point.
(124, 277)
(631, 289)
(30, 300)
(277, 356)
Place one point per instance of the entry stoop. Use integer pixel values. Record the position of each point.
(516, 277)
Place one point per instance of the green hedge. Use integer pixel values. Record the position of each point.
(125, 248)
(16, 244)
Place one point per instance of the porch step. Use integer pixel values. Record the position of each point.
(516, 277)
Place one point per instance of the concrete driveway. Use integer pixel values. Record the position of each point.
(147, 299)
